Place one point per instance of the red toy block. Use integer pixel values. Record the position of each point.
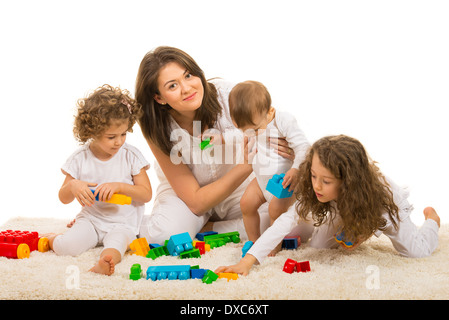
(289, 266)
(201, 246)
(303, 266)
(18, 244)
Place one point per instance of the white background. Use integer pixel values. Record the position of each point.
(375, 70)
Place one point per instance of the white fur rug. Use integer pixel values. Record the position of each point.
(373, 271)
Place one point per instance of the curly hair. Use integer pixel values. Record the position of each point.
(364, 195)
(96, 113)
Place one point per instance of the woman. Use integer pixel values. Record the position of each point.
(180, 107)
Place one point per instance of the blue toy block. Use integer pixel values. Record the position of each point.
(197, 273)
(274, 186)
(290, 243)
(200, 236)
(154, 245)
(179, 243)
(246, 247)
(181, 272)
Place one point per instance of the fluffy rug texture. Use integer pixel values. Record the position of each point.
(373, 271)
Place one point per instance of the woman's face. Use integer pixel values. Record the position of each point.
(179, 89)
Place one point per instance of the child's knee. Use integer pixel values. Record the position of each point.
(249, 205)
(62, 247)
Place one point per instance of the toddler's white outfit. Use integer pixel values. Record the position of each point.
(408, 239)
(114, 226)
(267, 161)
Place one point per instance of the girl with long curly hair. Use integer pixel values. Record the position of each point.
(343, 191)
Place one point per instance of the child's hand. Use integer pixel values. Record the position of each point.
(249, 149)
(290, 179)
(81, 191)
(242, 267)
(106, 190)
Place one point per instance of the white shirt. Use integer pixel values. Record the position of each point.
(267, 161)
(127, 162)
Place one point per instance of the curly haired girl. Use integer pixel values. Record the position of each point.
(106, 162)
(344, 191)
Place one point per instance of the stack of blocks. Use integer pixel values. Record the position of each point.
(18, 244)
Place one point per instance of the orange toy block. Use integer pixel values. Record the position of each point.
(140, 247)
(228, 275)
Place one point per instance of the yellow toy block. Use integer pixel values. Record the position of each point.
(140, 247)
(228, 275)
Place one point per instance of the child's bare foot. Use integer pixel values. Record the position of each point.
(105, 265)
(275, 250)
(430, 213)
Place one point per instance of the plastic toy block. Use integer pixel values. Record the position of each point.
(246, 247)
(200, 236)
(303, 266)
(158, 252)
(228, 275)
(210, 277)
(197, 273)
(135, 272)
(289, 266)
(274, 186)
(116, 198)
(154, 245)
(339, 237)
(181, 272)
(18, 244)
(205, 144)
(140, 247)
(220, 239)
(179, 243)
(291, 243)
(194, 253)
(200, 245)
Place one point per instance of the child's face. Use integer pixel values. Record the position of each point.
(325, 185)
(109, 143)
(260, 121)
(179, 89)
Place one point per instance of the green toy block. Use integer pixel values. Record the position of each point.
(218, 240)
(210, 277)
(205, 144)
(194, 253)
(158, 252)
(136, 271)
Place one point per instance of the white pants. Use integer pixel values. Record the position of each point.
(83, 236)
(171, 216)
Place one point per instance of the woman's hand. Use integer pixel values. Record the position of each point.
(249, 150)
(282, 148)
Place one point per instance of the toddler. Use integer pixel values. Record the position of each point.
(251, 111)
(344, 191)
(107, 165)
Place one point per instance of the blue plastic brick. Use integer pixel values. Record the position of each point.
(197, 273)
(274, 186)
(179, 243)
(200, 236)
(181, 272)
(246, 247)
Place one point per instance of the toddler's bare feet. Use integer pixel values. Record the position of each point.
(105, 265)
(275, 250)
(430, 213)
